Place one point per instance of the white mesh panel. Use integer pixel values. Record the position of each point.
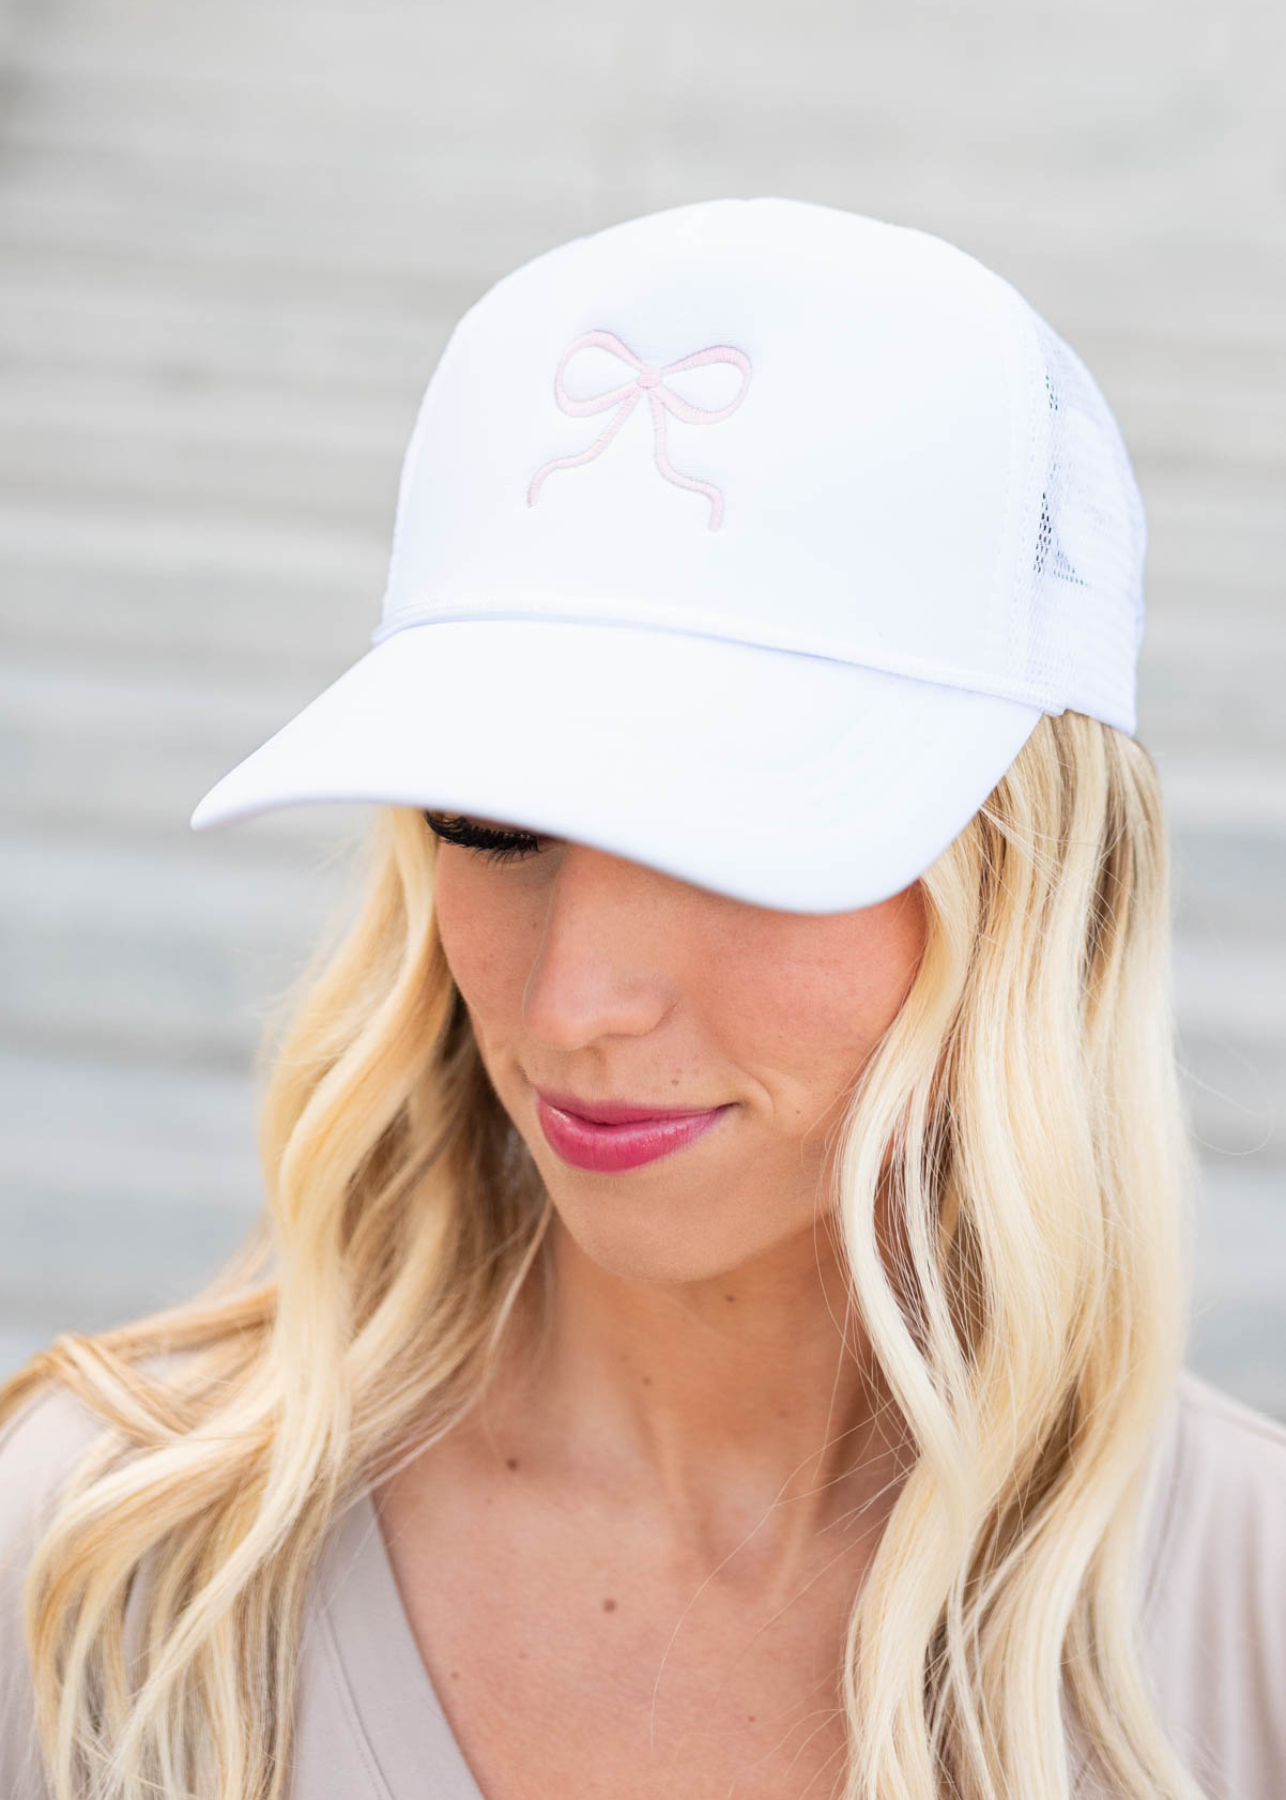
(1086, 597)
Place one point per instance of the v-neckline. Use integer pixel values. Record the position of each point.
(408, 1737)
(366, 1628)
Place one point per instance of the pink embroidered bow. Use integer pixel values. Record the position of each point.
(649, 379)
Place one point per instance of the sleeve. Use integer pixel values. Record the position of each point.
(38, 1447)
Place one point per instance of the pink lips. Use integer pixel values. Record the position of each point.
(609, 1148)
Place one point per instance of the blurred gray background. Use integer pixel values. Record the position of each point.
(233, 240)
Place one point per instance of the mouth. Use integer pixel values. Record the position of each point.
(619, 1112)
(608, 1147)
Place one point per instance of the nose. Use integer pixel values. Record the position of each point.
(613, 953)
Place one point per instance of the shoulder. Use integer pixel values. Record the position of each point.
(41, 1446)
(1258, 1439)
(1215, 1606)
(1228, 1479)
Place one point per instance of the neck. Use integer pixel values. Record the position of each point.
(730, 1404)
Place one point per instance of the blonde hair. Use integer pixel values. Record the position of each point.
(1025, 1112)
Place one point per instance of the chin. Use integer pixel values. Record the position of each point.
(641, 1243)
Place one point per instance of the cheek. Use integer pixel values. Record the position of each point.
(482, 936)
(883, 960)
(819, 993)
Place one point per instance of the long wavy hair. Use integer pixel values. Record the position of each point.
(1023, 1115)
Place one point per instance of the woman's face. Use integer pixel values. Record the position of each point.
(591, 975)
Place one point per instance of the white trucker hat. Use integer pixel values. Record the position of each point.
(748, 540)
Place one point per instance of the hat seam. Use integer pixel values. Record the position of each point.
(792, 643)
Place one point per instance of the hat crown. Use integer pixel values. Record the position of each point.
(788, 424)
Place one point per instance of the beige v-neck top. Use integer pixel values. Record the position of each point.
(371, 1727)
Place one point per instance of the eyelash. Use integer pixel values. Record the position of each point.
(495, 846)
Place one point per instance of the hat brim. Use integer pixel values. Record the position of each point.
(786, 780)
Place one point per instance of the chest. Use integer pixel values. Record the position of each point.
(572, 1661)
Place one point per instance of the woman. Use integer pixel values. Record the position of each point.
(827, 1431)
